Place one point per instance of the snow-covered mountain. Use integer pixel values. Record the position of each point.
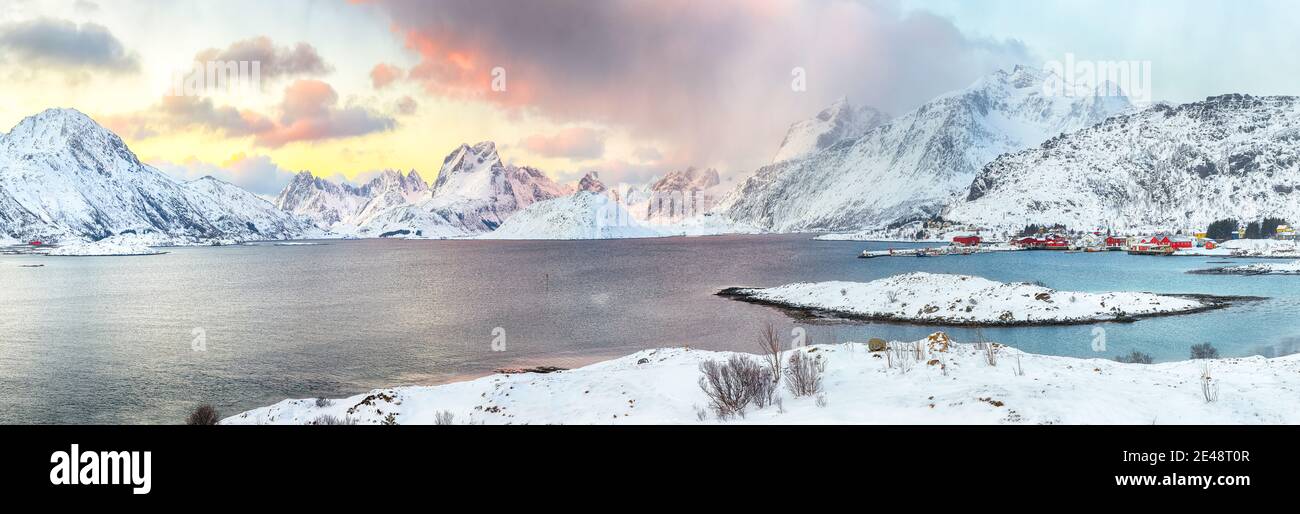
(330, 204)
(474, 192)
(689, 179)
(839, 122)
(1231, 156)
(591, 182)
(582, 215)
(65, 177)
(911, 166)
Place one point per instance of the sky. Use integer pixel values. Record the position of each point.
(628, 88)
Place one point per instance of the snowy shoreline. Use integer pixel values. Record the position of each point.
(1259, 268)
(966, 301)
(906, 383)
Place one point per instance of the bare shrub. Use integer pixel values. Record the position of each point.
(821, 400)
(1018, 369)
(733, 385)
(327, 419)
(1204, 351)
(901, 356)
(1135, 357)
(443, 417)
(803, 374)
(891, 295)
(1209, 388)
(769, 343)
(323, 402)
(204, 414)
(701, 414)
(991, 354)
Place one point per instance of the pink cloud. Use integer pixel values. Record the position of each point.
(384, 74)
(573, 142)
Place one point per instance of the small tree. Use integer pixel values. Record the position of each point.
(769, 343)
(733, 385)
(1268, 227)
(1204, 351)
(204, 414)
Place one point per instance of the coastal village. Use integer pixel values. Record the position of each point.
(1252, 240)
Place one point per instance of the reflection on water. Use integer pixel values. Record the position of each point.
(111, 340)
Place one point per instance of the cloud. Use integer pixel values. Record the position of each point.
(575, 143)
(407, 106)
(309, 111)
(64, 43)
(257, 173)
(384, 74)
(712, 78)
(276, 61)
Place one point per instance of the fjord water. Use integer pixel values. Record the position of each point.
(113, 339)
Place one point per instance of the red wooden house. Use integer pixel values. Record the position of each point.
(967, 240)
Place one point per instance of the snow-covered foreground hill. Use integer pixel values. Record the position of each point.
(901, 385)
(911, 166)
(1230, 156)
(966, 300)
(63, 177)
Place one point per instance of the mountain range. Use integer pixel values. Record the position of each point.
(999, 154)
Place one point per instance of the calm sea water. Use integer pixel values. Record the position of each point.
(111, 339)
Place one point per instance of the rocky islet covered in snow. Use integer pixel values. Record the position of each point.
(962, 300)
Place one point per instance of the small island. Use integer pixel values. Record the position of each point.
(963, 300)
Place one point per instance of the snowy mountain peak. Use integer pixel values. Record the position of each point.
(840, 121)
(591, 183)
(71, 134)
(467, 160)
(690, 179)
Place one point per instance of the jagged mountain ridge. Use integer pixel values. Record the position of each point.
(474, 192)
(329, 203)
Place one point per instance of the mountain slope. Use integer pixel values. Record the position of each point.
(910, 167)
(1231, 156)
(839, 122)
(64, 177)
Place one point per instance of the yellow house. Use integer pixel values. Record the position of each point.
(1285, 232)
